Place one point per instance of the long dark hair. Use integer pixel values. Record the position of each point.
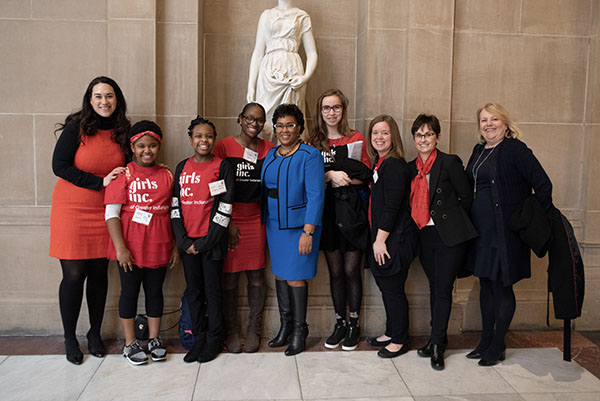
(88, 119)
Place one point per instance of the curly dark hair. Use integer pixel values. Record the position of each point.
(199, 121)
(288, 109)
(87, 118)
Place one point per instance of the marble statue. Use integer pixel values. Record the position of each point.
(276, 72)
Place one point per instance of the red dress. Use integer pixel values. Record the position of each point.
(148, 189)
(77, 226)
(250, 253)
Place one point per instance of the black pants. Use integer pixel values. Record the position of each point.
(441, 265)
(92, 272)
(131, 280)
(396, 305)
(203, 293)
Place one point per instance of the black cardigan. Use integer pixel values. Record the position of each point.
(389, 212)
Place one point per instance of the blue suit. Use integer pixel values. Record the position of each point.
(299, 181)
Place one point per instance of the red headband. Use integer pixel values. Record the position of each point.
(141, 134)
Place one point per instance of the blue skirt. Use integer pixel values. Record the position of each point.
(286, 262)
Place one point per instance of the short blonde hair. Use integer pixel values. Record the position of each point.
(499, 111)
(397, 150)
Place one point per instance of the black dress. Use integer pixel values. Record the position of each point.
(484, 260)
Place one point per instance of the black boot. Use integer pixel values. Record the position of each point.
(426, 350)
(437, 357)
(194, 353)
(299, 305)
(285, 314)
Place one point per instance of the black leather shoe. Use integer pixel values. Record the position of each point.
(474, 354)
(74, 354)
(95, 345)
(437, 357)
(385, 353)
(425, 351)
(373, 342)
(491, 362)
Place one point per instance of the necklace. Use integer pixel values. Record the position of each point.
(476, 169)
(292, 150)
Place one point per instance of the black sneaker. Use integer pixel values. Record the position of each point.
(339, 332)
(158, 352)
(352, 336)
(135, 354)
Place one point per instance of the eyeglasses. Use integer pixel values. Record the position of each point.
(426, 135)
(250, 119)
(289, 126)
(336, 108)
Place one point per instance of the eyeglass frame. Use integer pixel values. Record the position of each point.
(248, 119)
(426, 135)
(289, 126)
(337, 108)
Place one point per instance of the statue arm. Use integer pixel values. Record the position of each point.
(308, 40)
(256, 59)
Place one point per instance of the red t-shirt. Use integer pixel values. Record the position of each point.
(149, 190)
(194, 195)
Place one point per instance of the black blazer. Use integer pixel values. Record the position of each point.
(450, 199)
(389, 212)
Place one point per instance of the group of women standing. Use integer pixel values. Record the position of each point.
(338, 192)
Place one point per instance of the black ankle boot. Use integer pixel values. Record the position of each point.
(285, 314)
(299, 305)
(437, 357)
(425, 351)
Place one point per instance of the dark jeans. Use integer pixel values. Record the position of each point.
(131, 280)
(203, 293)
(441, 265)
(396, 305)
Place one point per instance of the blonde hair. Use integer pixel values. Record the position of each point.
(318, 132)
(397, 150)
(499, 111)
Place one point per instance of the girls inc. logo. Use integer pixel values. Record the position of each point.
(136, 188)
(186, 179)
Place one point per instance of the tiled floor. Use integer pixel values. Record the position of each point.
(528, 374)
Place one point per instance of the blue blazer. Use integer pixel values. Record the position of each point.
(300, 185)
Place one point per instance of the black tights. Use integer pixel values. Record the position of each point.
(256, 278)
(345, 282)
(497, 305)
(70, 293)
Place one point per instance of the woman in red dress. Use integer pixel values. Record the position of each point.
(88, 155)
(247, 240)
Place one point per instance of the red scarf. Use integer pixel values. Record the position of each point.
(419, 191)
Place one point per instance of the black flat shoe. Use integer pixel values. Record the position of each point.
(425, 351)
(491, 362)
(373, 342)
(96, 346)
(74, 354)
(385, 353)
(437, 357)
(475, 354)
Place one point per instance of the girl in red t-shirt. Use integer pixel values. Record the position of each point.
(201, 211)
(137, 215)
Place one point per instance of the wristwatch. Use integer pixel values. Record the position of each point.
(310, 234)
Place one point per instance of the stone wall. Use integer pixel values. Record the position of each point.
(175, 59)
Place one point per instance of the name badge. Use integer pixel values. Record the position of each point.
(142, 217)
(217, 187)
(250, 155)
(375, 176)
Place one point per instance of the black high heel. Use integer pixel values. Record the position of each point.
(74, 354)
(491, 362)
(437, 357)
(95, 345)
